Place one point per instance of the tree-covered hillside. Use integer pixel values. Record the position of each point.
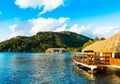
(43, 40)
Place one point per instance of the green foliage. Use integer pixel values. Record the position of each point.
(87, 44)
(96, 38)
(92, 41)
(74, 49)
(43, 40)
(102, 38)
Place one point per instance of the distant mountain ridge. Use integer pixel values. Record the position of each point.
(43, 40)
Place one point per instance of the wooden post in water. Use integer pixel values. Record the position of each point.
(91, 71)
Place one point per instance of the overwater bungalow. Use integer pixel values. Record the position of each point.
(101, 54)
(56, 50)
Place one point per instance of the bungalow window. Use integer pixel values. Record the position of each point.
(117, 55)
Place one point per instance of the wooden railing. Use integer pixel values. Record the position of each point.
(92, 60)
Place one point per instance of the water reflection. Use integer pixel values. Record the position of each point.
(84, 73)
(110, 76)
(41, 68)
(50, 68)
(21, 67)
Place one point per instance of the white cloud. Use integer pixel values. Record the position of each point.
(14, 32)
(20, 28)
(47, 5)
(83, 29)
(49, 24)
(80, 29)
(33, 26)
(13, 27)
(105, 31)
(62, 28)
(50, 5)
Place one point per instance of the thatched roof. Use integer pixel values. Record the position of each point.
(111, 44)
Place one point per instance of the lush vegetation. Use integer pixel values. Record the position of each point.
(43, 40)
(92, 41)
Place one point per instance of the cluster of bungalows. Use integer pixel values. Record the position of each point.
(56, 50)
(107, 51)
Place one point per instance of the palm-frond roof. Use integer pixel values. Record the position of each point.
(111, 44)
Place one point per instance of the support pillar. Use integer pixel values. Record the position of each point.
(91, 71)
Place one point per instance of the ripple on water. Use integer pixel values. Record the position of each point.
(41, 68)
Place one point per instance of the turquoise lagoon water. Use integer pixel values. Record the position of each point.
(41, 68)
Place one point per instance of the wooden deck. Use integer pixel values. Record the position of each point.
(92, 60)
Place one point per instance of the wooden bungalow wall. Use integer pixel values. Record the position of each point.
(107, 54)
(115, 61)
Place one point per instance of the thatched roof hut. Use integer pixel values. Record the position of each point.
(111, 44)
(109, 48)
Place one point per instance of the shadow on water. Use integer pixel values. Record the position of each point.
(108, 76)
(20, 60)
(83, 72)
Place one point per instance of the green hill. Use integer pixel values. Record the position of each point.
(43, 40)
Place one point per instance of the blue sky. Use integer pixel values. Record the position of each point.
(87, 17)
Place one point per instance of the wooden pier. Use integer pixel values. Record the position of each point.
(92, 62)
(103, 53)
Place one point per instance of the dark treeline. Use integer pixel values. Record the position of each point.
(43, 40)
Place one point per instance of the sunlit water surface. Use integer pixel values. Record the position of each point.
(41, 68)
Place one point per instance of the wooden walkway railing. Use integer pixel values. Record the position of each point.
(92, 60)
